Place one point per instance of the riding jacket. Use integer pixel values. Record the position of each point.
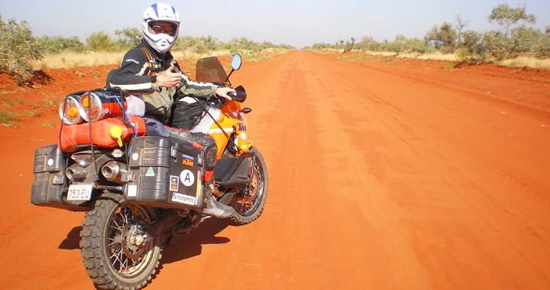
(138, 75)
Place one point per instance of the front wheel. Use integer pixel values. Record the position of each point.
(116, 251)
(250, 203)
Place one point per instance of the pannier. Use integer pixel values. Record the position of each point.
(165, 173)
(49, 185)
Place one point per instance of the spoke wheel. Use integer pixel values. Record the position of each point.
(116, 251)
(127, 256)
(250, 203)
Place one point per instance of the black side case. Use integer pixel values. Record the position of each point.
(165, 174)
(49, 179)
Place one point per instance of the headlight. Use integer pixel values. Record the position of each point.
(69, 111)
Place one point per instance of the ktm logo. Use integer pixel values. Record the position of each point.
(187, 162)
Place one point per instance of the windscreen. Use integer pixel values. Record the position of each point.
(210, 69)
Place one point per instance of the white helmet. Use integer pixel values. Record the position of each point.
(160, 41)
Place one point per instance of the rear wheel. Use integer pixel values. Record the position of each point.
(116, 251)
(250, 203)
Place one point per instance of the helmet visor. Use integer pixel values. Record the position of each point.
(158, 27)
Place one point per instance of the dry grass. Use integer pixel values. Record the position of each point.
(326, 50)
(266, 54)
(381, 53)
(352, 57)
(75, 59)
(422, 56)
(360, 55)
(430, 56)
(526, 62)
(523, 61)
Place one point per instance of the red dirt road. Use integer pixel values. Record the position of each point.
(382, 176)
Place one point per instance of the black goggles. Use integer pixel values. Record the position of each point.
(163, 27)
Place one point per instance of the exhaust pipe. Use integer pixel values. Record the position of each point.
(75, 173)
(114, 171)
(69, 173)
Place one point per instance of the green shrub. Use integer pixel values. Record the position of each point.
(60, 44)
(185, 42)
(542, 48)
(205, 44)
(368, 44)
(496, 45)
(528, 41)
(443, 38)
(349, 45)
(17, 48)
(200, 48)
(101, 41)
(243, 43)
(128, 38)
(471, 48)
(525, 40)
(401, 44)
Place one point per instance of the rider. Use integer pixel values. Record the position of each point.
(151, 71)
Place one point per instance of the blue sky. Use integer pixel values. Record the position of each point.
(295, 22)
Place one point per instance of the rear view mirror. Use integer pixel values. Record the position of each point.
(237, 62)
(240, 95)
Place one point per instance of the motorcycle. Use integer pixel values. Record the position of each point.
(139, 190)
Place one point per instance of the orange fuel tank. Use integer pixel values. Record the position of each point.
(101, 133)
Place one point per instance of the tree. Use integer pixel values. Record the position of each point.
(432, 37)
(496, 45)
(443, 38)
(128, 37)
(460, 24)
(525, 40)
(506, 16)
(471, 47)
(368, 44)
(349, 45)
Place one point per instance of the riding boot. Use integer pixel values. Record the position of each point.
(214, 208)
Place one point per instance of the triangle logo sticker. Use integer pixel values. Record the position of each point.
(150, 172)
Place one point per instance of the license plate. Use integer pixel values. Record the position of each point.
(80, 192)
